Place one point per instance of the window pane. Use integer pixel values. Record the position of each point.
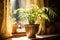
(18, 23)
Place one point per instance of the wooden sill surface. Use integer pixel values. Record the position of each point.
(18, 34)
(53, 37)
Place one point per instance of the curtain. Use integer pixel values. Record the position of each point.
(6, 29)
(1, 14)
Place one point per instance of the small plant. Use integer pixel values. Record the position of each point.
(34, 12)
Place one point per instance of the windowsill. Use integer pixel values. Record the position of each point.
(18, 34)
(49, 37)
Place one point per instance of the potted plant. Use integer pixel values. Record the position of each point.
(32, 14)
(14, 25)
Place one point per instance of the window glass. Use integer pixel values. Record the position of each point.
(15, 4)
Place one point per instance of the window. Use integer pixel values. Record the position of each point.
(17, 23)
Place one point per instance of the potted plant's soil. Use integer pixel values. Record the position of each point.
(31, 30)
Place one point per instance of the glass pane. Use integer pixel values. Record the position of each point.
(18, 24)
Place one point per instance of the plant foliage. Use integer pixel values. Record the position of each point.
(34, 12)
